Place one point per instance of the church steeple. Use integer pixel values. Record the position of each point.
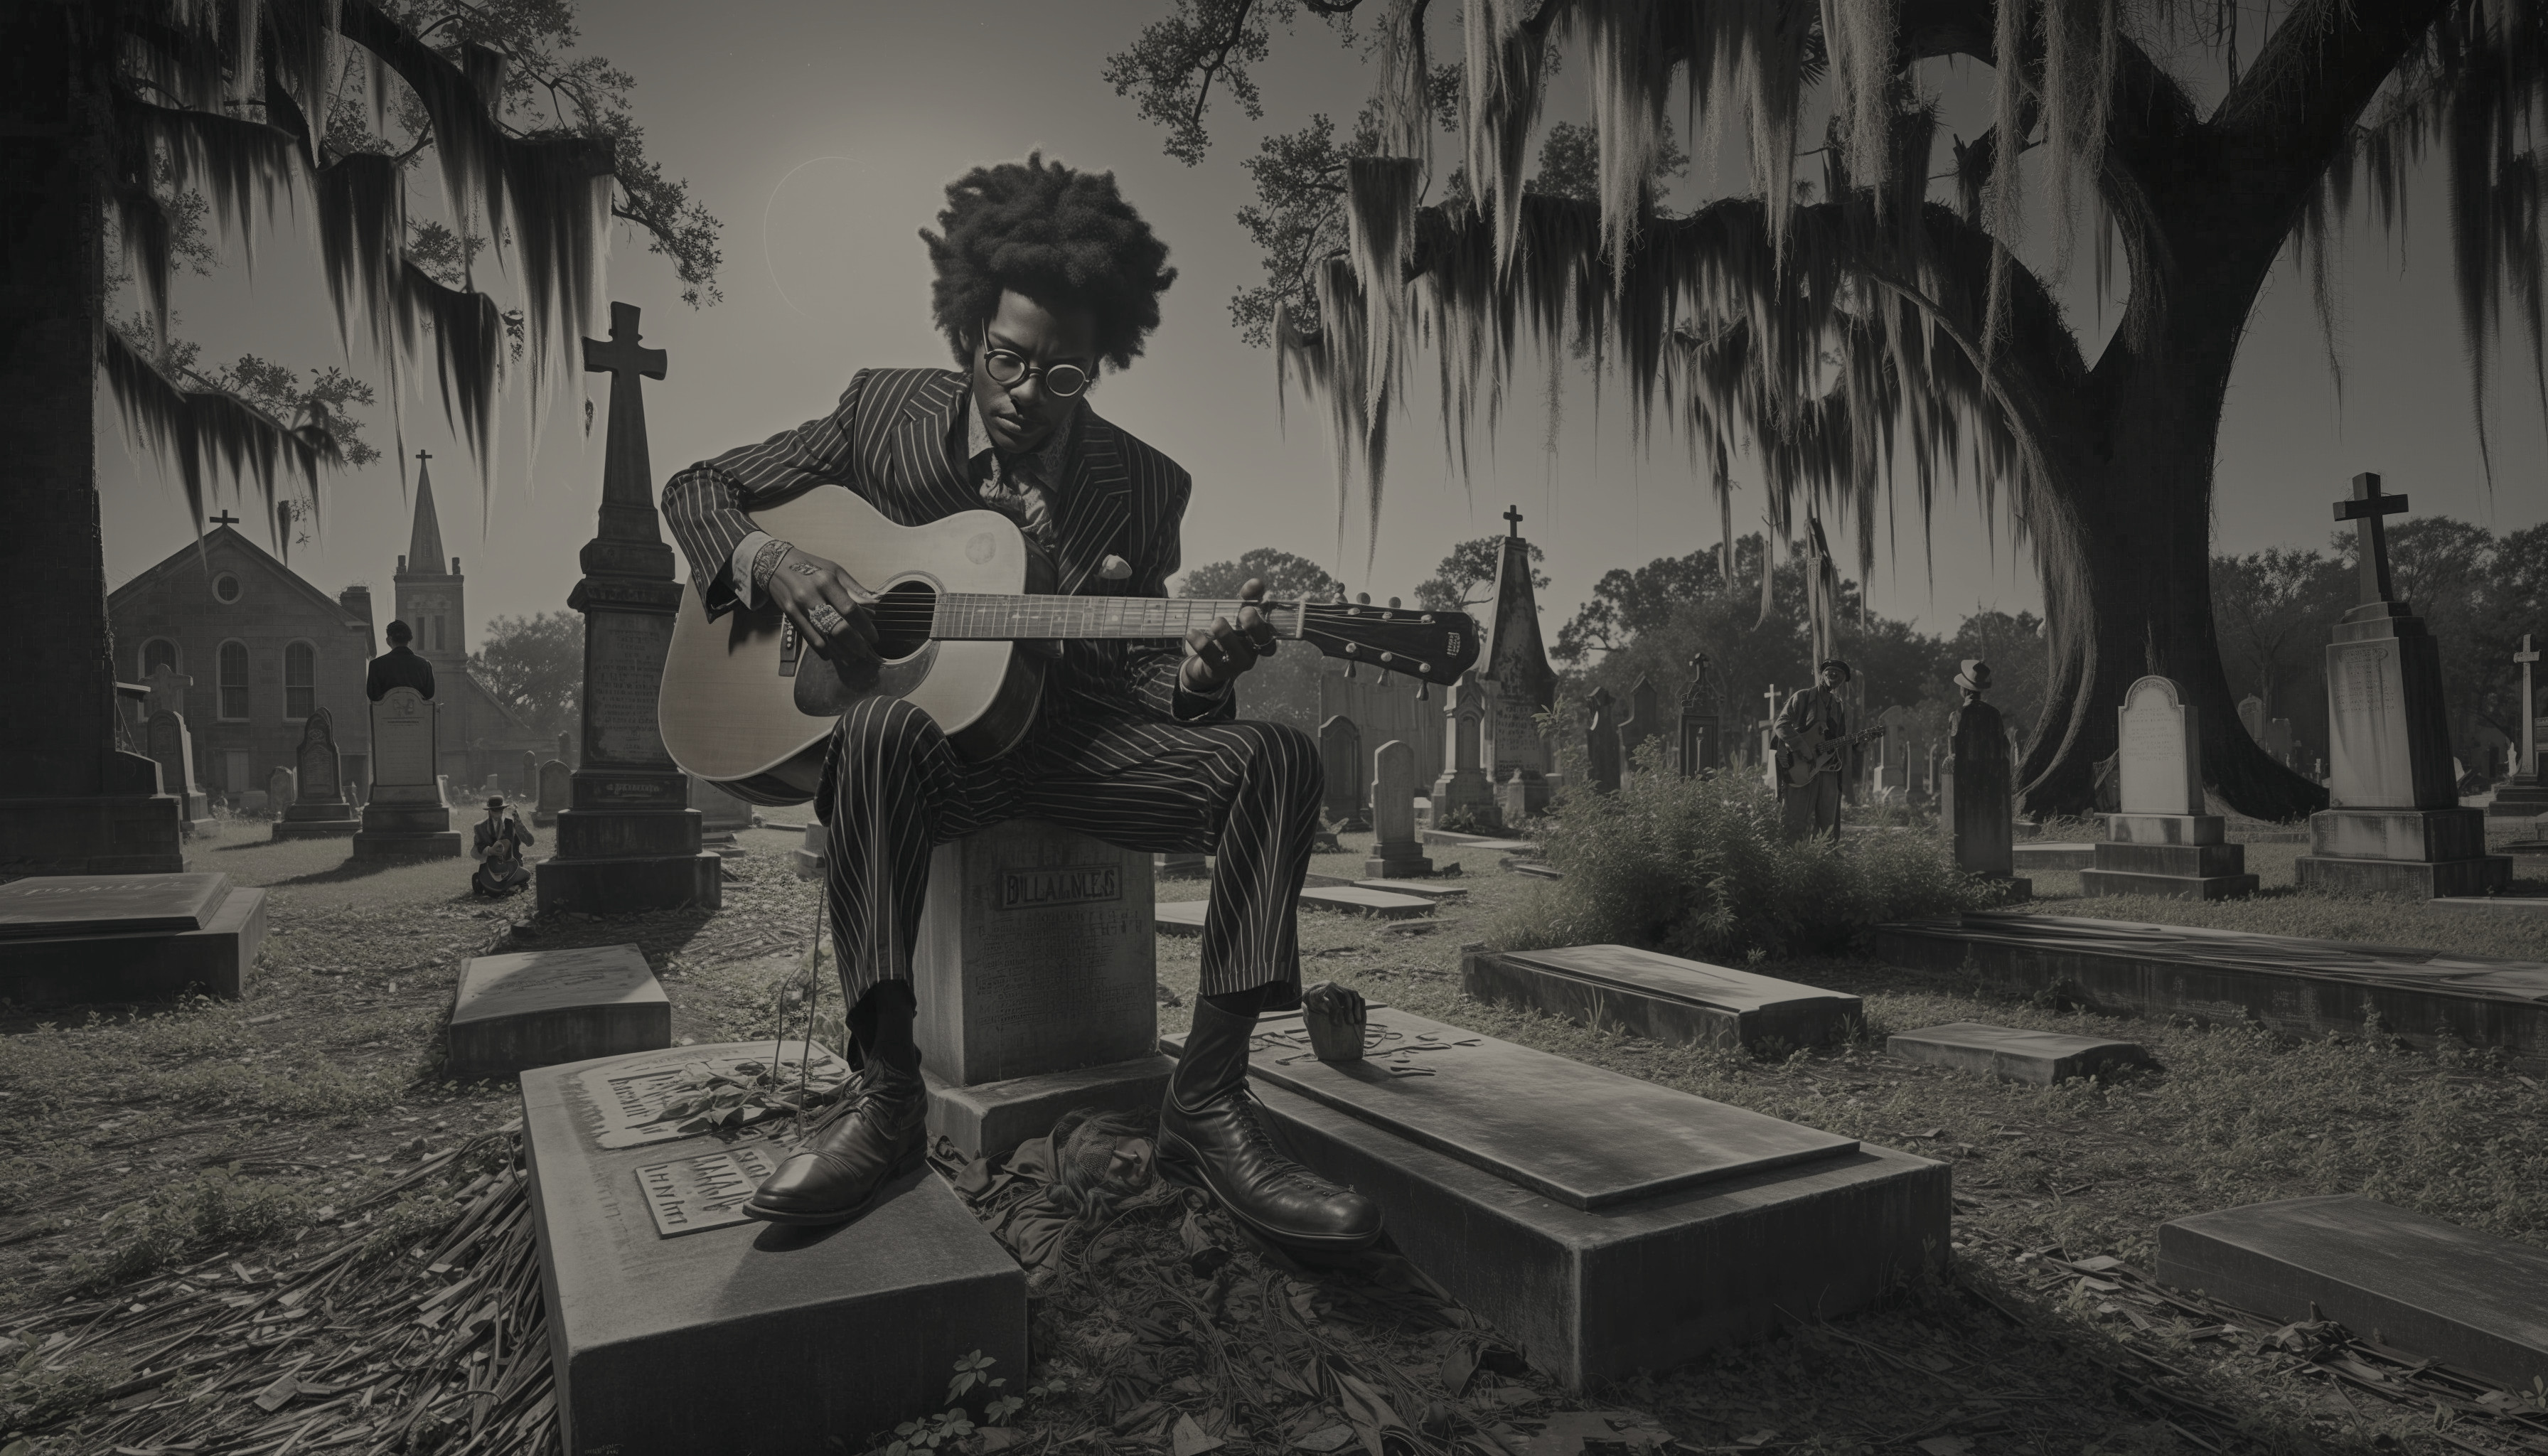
(428, 583)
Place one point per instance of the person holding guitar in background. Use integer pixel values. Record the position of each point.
(1814, 739)
(1044, 276)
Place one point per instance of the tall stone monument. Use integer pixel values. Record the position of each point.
(319, 809)
(1975, 783)
(173, 747)
(1464, 794)
(629, 840)
(1340, 758)
(2527, 797)
(2396, 825)
(406, 817)
(1601, 743)
(2160, 841)
(1521, 684)
(1396, 852)
(1701, 743)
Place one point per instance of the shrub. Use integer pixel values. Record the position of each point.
(1702, 867)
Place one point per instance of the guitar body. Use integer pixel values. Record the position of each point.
(1816, 754)
(748, 705)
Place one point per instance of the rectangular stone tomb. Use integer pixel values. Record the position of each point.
(2039, 1057)
(66, 938)
(1668, 998)
(2397, 1278)
(659, 1289)
(539, 1008)
(1606, 1223)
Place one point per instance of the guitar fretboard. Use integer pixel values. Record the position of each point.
(981, 616)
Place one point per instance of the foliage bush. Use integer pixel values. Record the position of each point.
(1702, 867)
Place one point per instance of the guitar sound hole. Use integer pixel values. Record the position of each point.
(902, 616)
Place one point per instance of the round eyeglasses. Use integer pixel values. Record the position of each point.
(1008, 371)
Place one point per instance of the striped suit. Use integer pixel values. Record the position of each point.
(1119, 750)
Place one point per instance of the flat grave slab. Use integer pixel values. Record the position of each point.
(1181, 917)
(1531, 869)
(1607, 1222)
(1481, 842)
(1356, 901)
(2297, 986)
(72, 938)
(539, 1008)
(2054, 854)
(2404, 1279)
(2039, 1057)
(1668, 998)
(658, 1289)
(1436, 890)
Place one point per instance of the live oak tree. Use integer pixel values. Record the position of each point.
(126, 121)
(1863, 302)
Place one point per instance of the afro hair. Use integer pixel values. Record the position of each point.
(1060, 238)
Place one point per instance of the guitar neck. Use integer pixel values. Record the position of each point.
(983, 616)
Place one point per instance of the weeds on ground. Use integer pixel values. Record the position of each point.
(215, 1209)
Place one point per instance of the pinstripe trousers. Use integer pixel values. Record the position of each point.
(1247, 794)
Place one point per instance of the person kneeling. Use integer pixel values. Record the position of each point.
(497, 843)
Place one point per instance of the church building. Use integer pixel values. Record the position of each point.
(244, 648)
(479, 737)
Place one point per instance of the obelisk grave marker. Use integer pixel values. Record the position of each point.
(629, 840)
(1520, 682)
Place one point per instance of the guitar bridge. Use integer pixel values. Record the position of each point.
(790, 647)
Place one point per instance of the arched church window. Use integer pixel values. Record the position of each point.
(300, 679)
(234, 679)
(156, 654)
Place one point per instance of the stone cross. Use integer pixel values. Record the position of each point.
(224, 519)
(2364, 510)
(1513, 513)
(627, 479)
(2529, 716)
(1702, 742)
(1601, 743)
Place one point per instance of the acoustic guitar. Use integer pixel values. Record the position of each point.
(963, 607)
(1816, 754)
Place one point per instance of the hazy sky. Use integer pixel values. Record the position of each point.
(824, 135)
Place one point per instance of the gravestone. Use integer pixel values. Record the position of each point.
(1557, 1199)
(628, 839)
(528, 776)
(168, 742)
(1384, 705)
(1929, 776)
(1036, 975)
(720, 812)
(1601, 743)
(658, 1289)
(2159, 842)
(541, 1007)
(1464, 792)
(1340, 759)
(2401, 1279)
(2526, 796)
(2394, 825)
(406, 817)
(1686, 1003)
(319, 808)
(1892, 751)
(2278, 741)
(2251, 716)
(280, 789)
(811, 851)
(1521, 684)
(1701, 745)
(2038, 1058)
(1973, 784)
(66, 938)
(1642, 722)
(1396, 852)
(565, 748)
(557, 783)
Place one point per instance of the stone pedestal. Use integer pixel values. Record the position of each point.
(542, 1008)
(140, 832)
(76, 938)
(2180, 855)
(2425, 853)
(659, 1290)
(1037, 981)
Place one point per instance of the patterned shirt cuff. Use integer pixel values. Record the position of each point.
(739, 568)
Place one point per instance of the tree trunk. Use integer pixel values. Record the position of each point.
(69, 802)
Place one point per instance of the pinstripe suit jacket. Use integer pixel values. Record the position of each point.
(893, 439)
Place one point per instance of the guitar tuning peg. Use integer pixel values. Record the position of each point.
(1350, 664)
(1423, 690)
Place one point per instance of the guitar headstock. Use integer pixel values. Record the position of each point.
(1435, 646)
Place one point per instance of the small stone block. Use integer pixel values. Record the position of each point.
(807, 857)
(539, 1008)
(2177, 886)
(2402, 1279)
(991, 1119)
(1355, 900)
(2039, 1057)
(2398, 834)
(2041, 854)
(66, 938)
(1395, 862)
(1436, 890)
(2423, 879)
(629, 885)
(1604, 1222)
(840, 1332)
(1182, 916)
(2165, 828)
(2199, 861)
(1664, 997)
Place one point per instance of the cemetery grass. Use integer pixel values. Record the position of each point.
(149, 1149)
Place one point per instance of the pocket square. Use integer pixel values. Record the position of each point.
(1114, 569)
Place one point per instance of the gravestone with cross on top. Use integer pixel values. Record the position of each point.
(2526, 796)
(2395, 824)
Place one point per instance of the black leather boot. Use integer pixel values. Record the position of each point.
(1212, 1137)
(880, 1133)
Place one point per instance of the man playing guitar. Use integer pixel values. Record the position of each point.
(1813, 738)
(1044, 276)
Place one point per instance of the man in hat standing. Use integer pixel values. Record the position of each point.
(497, 843)
(1812, 734)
